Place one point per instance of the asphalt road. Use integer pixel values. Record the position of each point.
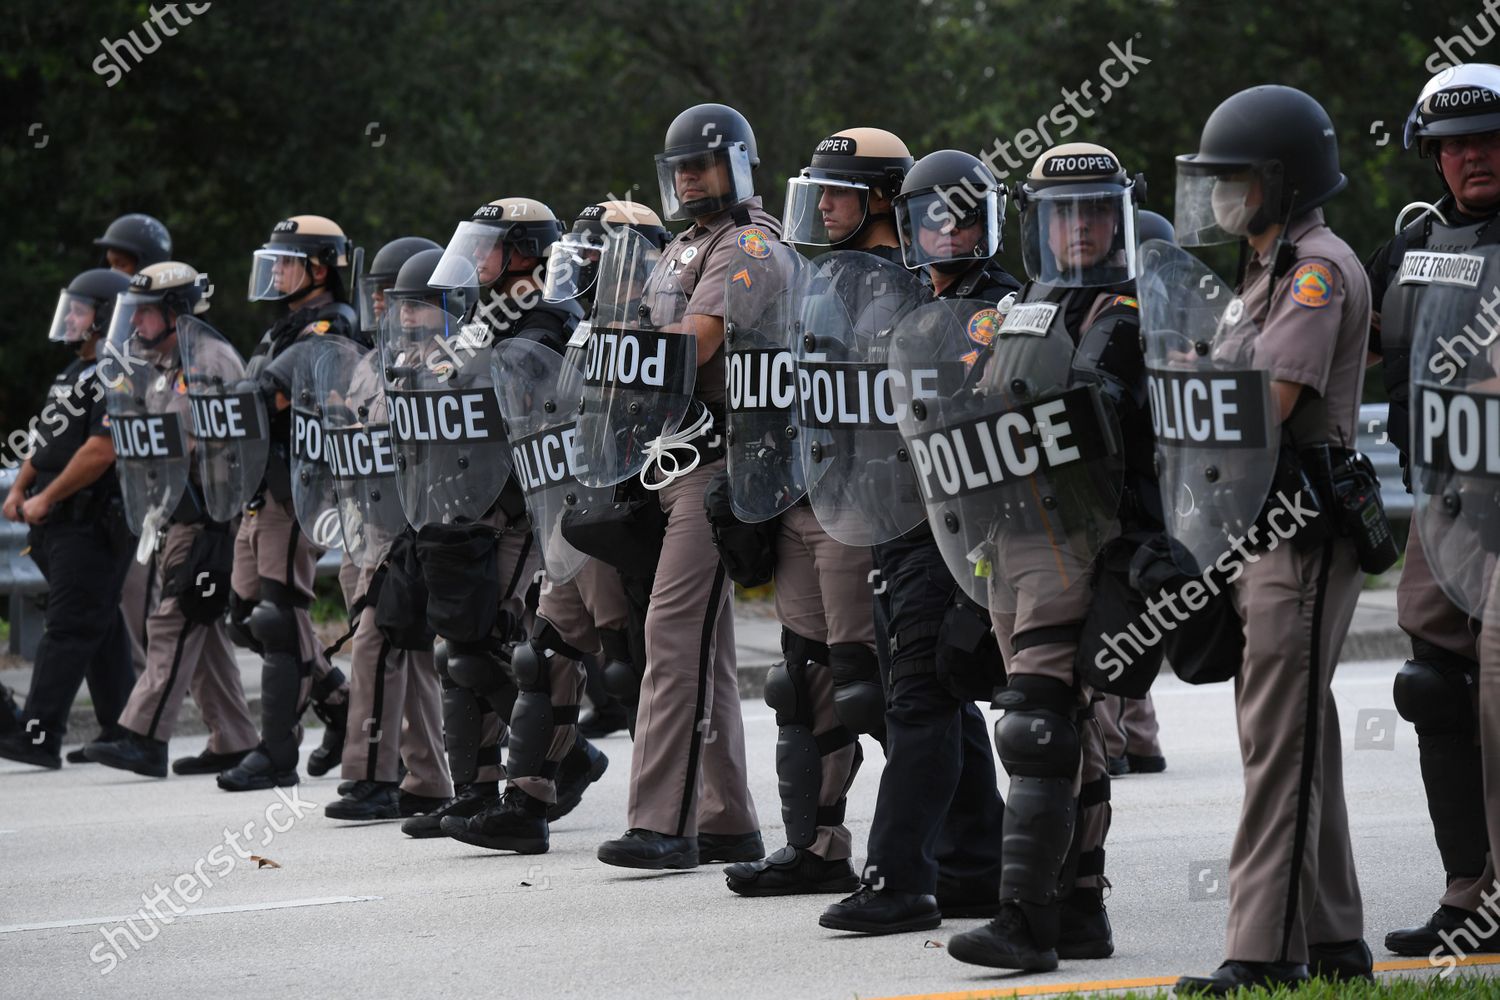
(360, 911)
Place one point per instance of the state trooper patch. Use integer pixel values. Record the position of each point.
(756, 243)
(983, 326)
(1312, 286)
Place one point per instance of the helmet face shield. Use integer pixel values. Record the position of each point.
(141, 326)
(278, 273)
(1079, 235)
(948, 224)
(77, 316)
(1222, 203)
(824, 211)
(370, 290)
(573, 266)
(703, 182)
(476, 255)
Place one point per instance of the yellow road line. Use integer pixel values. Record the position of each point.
(1052, 989)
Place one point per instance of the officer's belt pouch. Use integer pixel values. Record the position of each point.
(968, 659)
(626, 534)
(1119, 649)
(201, 581)
(400, 597)
(279, 472)
(462, 573)
(748, 551)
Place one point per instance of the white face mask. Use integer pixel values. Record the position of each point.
(1230, 210)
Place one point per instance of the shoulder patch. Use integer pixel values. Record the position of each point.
(983, 326)
(180, 386)
(755, 242)
(1126, 301)
(319, 328)
(1312, 286)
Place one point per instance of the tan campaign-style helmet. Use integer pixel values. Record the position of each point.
(179, 285)
(315, 235)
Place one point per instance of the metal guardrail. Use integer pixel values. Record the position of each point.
(22, 581)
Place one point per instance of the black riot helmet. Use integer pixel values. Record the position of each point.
(84, 308)
(949, 212)
(411, 287)
(848, 164)
(1153, 226)
(381, 274)
(141, 236)
(698, 142)
(1266, 156)
(1461, 100)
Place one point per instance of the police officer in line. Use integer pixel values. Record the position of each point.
(130, 243)
(274, 562)
(932, 847)
(1078, 211)
(1456, 122)
(1266, 163)
(840, 201)
(1129, 724)
(502, 250)
(187, 646)
(68, 494)
(393, 762)
(689, 799)
(603, 608)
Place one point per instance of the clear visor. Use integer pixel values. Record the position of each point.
(76, 318)
(1223, 204)
(694, 185)
(476, 255)
(948, 224)
(434, 314)
(372, 304)
(823, 211)
(573, 266)
(1079, 239)
(142, 327)
(278, 274)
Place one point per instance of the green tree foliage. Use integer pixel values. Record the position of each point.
(398, 117)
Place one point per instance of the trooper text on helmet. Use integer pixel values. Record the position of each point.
(1078, 213)
(1456, 121)
(843, 196)
(706, 163)
(303, 255)
(145, 316)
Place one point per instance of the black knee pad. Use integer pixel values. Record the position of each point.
(858, 698)
(1037, 736)
(787, 693)
(237, 623)
(1437, 694)
(273, 622)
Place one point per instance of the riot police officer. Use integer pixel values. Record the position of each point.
(393, 681)
(68, 494)
(1078, 210)
(275, 562)
(1456, 122)
(932, 847)
(689, 801)
(1266, 163)
(825, 692)
(130, 243)
(187, 646)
